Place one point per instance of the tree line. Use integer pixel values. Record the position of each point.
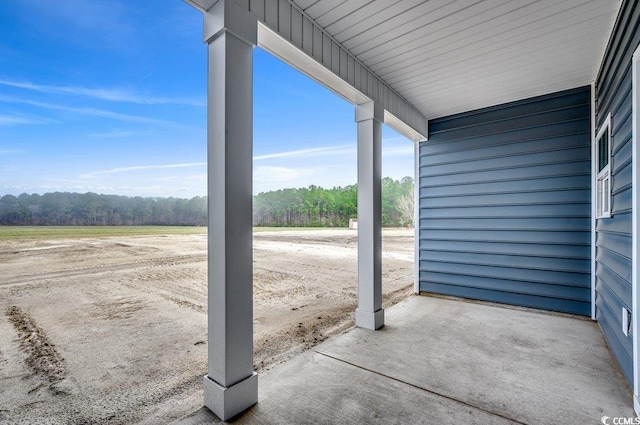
(91, 209)
(315, 206)
(305, 207)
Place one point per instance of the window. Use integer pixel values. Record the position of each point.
(603, 161)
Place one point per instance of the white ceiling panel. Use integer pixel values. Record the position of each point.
(447, 56)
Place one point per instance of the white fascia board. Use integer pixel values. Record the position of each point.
(635, 245)
(201, 5)
(273, 43)
(401, 127)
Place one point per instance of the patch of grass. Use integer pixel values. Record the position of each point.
(293, 229)
(60, 232)
(69, 232)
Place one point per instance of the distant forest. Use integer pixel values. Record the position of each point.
(91, 209)
(315, 206)
(306, 207)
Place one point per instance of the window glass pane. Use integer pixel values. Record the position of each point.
(603, 150)
(599, 198)
(605, 201)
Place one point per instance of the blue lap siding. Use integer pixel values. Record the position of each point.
(505, 204)
(613, 235)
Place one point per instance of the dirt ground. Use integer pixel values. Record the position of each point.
(113, 329)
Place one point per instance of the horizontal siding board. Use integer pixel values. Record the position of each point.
(524, 159)
(551, 277)
(508, 211)
(621, 179)
(577, 182)
(534, 236)
(615, 284)
(505, 204)
(508, 224)
(520, 123)
(438, 146)
(618, 243)
(613, 235)
(571, 167)
(626, 38)
(615, 45)
(509, 260)
(621, 98)
(617, 347)
(554, 304)
(623, 155)
(526, 249)
(511, 286)
(517, 147)
(611, 325)
(574, 196)
(553, 101)
(621, 128)
(613, 261)
(611, 307)
(622, 202)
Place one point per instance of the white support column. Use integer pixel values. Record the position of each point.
(416, 217)
(231, 385)
(369, 314)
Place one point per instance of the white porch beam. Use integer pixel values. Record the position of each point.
(369, 314)
(310, 49)
(416, 218)
(231, 385)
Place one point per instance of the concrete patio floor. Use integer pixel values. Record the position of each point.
(446, 361)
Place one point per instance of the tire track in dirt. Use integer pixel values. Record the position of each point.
(43, 359)
(90, 270)
(280, 346)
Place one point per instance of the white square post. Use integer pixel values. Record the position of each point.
(231, 385)
(369, 314)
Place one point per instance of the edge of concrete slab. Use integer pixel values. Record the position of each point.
(411, 363)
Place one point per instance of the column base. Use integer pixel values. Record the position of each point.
(370, 320)
(636, 405)
(229, 402)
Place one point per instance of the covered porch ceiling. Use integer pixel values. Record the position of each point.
(445, 57)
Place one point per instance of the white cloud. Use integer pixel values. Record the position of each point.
(269, 174)
(117, 134)
(108, 94)
(322, 151)
(90, 111)
(141, 167)
(13, 120)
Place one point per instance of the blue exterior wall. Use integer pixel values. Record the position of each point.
(613, 235)
(505, 204)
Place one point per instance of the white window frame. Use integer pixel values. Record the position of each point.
(603, 178)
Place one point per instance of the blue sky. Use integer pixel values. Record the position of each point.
(109, 96)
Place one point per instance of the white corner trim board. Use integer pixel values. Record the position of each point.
(635, 247)
(593, 201)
